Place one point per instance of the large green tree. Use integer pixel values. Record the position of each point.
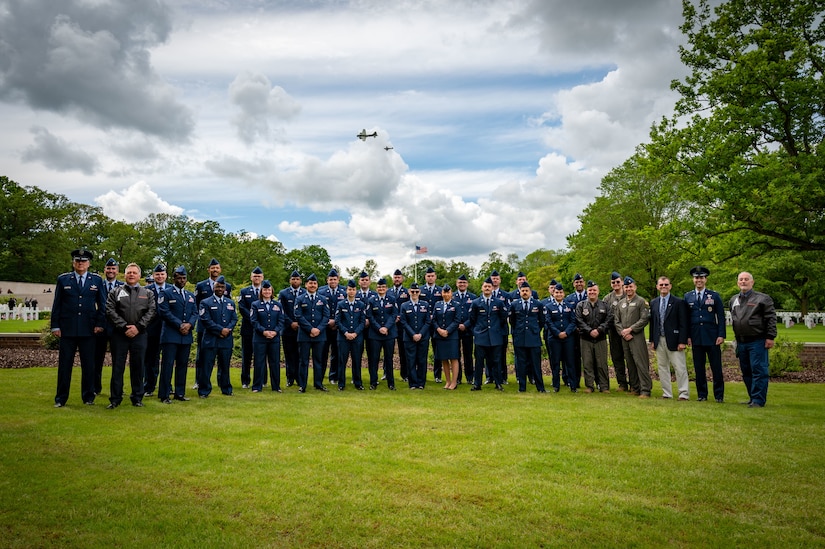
(747, 134)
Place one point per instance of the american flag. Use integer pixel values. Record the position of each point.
(421, 249)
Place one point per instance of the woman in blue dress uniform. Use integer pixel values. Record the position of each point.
(446, 318)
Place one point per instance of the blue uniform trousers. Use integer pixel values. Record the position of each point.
(175, 356)
(387, 345)
(417, 361)
(224, 356)
(528, 363)
(304, 349)
(85, 346)
(351, 350)
(267, 352)
(487, 356)
(714, 357)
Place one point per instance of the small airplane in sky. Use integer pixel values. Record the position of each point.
(364, 135)
(388, 148)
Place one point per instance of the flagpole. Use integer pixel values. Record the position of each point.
(415, 256)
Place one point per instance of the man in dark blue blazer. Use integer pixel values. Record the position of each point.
(77, 316)
(103, 339)
(488, 321)
(334, 294)
(218, 316)
(151, 366)
(416, 321)
(245, 298)
(559, 327)
(179, 315)
(382, 313)
(707, 334)
(465, 299)
(527, 322)
(350, 321)
(312, 314)
(289, 337)
(669, 330)
(204, 289)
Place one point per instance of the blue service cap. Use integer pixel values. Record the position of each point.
(111, 262)
(397, 272)
(430, 270)
(363, 275)
(257, 271)
(558, 287)
(81, 254)
(382, 282)
(525, 284)
(160, 268)
(414, 286)
(578, 276)
(266, 284)
(446, 288)
(628, 280)
(462, 277)
(332, 272)
(699, 271)
(614, 275)
(295, 274)
(553, 282)
(214, 262)
(494, 273)
(520, 273)
(220, 280)
(488, 280)
(590, 284)
(312, 278)
(351, 283)
(181, 270)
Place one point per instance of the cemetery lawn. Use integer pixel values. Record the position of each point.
(798, 332)
(428, 468)
(18, 326)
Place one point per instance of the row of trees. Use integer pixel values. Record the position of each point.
(734, 179)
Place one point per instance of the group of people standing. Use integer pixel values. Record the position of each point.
(334, 324)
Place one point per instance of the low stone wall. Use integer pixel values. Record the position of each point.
(12, 341)
(812, 355)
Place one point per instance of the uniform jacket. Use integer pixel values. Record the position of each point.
(245, 299)
(465, 303)
(415, 319)
(677, 322)
(266, 316)
(203, 289)
(77, 311)
(612, 300)
(333, 298)
(382, 314)
(311, 312)
(526, 325)
(754, 317)
(489, 322)
(214, 317)
(350, 318)
(447, 316)
(287, 298)
(126, 306)
(557, 321)
(107, 324)
(431, 296)
(707, 319)
(156, 324)
(175, 310)
(590, 316)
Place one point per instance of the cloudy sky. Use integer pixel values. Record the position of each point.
(501, 116)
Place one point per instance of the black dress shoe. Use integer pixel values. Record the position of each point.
(182, 399)
(301, 390)
(167, 401)
(149, 393)
(340, 388)
(542, 390)
(290, 383)
(278, 390)
(359, 387)
(499, 387)
(89, 403)
(325, 390)
(58, 405)
(203, 396)
(392, 387)
(555, 389)
(373, 387)
(755, 405)
(137, 404)
(720, 401)
(475, 388)
(702, 399)
(112, 406)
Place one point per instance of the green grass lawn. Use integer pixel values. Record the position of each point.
(18, 326)
(799, 332)
(410, 469)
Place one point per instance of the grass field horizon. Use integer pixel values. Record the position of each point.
(429, 468)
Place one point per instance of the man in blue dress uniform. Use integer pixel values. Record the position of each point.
(559, 327)
(351, 321)
(103, 339)
(203, 289)
(527, 322)
(151, 367)
(579, 294)
(382, 313)
(415, 322)
(401, 295)
(78, 315)
(245, 298)
(487, 316)
(179, 314)
(504, 295)
(289, 338)
(707, 334)
(267, 319)
(431, 294)
(465, 299)
(218, 315)
(334, 294)
(312, 314)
